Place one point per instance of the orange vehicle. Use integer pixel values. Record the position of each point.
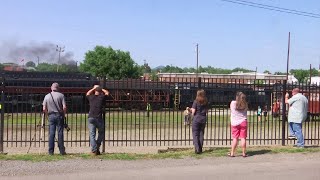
(314, 104)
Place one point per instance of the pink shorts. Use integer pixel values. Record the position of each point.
(239, 130)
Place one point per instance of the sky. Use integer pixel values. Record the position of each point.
(165, 32)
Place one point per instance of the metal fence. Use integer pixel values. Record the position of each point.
(129, 123)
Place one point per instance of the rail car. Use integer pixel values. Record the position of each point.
(220, 95)
(24, 91)
(312, 92)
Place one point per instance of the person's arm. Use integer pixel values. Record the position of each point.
(64, 106)
(44, 105)
(92, 90)
(286, 98)
(193, 108)
(291, 100)
(106, 92)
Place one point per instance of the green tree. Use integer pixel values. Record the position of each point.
(303, 75)
(30, 64)
(241, 69)
(279, 73)
(46, 67)
(105, 62)
(147, 68)
(154, 76)
(172, 69)
(267, 72)
(259, 81)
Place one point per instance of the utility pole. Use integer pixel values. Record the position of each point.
(59, 49)
(38, 60)
(288, 56)
(310, 74)
(197, 49)
(255, 74)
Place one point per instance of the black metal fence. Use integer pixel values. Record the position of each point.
(129, 123)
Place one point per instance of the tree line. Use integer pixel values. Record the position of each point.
(106, 62)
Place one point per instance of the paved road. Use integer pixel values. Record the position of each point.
(259, 167)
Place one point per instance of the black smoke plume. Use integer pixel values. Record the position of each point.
(46, 52)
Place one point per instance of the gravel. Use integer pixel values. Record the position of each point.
(24, 168)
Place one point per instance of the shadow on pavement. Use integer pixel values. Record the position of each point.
(258, 152)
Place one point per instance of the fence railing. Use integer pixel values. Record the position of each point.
(129, 123)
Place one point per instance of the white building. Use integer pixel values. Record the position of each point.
(315, 80)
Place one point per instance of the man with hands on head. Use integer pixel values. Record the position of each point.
(96, 97)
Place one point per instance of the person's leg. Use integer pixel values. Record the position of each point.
(291, 130)
(297, 127)
(244, 147)
(101, 132)
(92, 134)
(60, 127)
(233, 146)
(201, 135)
(52, 133)
(196, 135)
(243, 136)
(235, 135)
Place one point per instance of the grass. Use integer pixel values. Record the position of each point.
(168, 154)
(126, 117)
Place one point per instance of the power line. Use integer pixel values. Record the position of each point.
(273, 8)
(303, 12)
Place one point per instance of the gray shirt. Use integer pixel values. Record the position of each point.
(298, 108)
(58, 99)
(200, 114)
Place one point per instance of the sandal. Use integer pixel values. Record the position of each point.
(246, 155)
(229, 155)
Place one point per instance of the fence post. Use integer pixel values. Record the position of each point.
(199, 82)
(2, 115)
(103, 85)
(284, 109)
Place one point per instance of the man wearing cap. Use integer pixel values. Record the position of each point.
(54, 105)
(298, 107)
(96, 97)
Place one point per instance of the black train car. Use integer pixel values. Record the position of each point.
(220, 95)
(24, 91)
(137, 93)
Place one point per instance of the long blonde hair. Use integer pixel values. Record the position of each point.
(241, 102)
(201, 97)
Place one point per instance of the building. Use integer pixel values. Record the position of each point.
(12, 67)
(315, 80)
(236, 77)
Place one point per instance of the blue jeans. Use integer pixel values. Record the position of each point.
(96, 123)
(56, 122)
(295, 129)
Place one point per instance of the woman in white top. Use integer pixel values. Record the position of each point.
(239, 109)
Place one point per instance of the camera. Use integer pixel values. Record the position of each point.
(65, 125)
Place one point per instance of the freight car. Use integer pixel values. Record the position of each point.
(24, 91)
(220, 94)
